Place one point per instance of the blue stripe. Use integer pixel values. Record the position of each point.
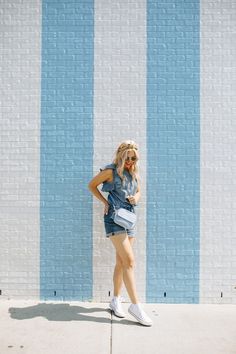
(173, 150)
(66, 150)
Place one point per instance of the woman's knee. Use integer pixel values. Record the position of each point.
(128, 262)
(119, 262)
(124, 251)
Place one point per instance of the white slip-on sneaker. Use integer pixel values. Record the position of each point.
(137, 311)
(116, 307)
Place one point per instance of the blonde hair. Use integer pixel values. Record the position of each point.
(120, 156)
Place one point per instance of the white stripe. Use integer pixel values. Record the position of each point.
(218, 111)
(119, 114)
(20, 152)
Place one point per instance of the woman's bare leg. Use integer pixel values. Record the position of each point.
(118, 272)
(124, 249)
(118, 277)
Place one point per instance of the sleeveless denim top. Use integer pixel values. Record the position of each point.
(118, 192)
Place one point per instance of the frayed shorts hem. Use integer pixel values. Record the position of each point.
(119, 232)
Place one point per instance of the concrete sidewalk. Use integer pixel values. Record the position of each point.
(35, 327)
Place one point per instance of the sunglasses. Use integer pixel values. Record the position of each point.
(133, 158)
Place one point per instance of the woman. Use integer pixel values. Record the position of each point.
(120, 179)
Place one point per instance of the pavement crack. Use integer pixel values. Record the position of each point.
(111, 335)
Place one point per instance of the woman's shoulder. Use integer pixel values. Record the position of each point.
(109, 185)
(108, 166)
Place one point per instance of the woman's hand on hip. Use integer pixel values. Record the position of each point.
(106, 207)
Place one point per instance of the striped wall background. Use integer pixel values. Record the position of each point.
(77, 78)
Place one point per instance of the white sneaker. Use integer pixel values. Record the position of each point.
(137, 311)
(116, 307)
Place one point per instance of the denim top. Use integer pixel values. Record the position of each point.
(118, 192)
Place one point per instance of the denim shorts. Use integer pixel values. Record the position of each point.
(112, 228)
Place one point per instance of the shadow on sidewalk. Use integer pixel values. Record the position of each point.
(58, 312)
(61, 312)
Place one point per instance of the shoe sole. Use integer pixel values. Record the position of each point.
(139, 320)
(117, 315)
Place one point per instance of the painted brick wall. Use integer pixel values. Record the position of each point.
(218, 90)
(20, 148)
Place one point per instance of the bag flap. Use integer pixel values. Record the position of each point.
(124, 213)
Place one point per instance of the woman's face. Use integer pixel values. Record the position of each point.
(130, 162)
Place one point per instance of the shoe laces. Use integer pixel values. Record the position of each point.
(118, 305)
(119, 298)
(142, 312)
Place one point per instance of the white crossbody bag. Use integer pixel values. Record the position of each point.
(124, 217)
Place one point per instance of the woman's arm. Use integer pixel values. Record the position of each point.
(135, 198)
(103, 176)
